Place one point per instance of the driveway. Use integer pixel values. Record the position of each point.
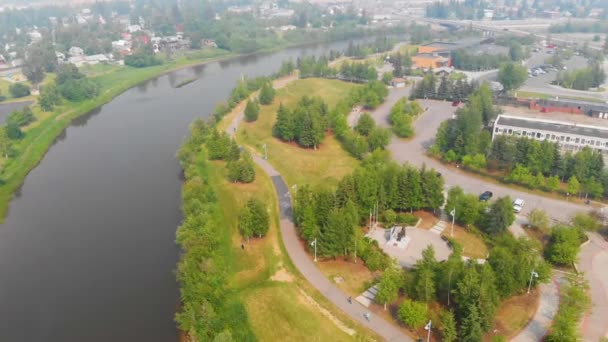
(593, 260)
(413, 151)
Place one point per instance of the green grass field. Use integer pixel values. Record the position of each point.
(280, 305)
(326, 165)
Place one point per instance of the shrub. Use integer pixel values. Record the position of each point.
(19, 90)
(407, 219)
(413, 314)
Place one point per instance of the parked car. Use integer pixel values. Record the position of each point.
(485, 196)
(455, 103)
(518, 205)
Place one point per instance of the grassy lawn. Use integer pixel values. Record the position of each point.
(473, 246)
(534, 95)
(279, 303)
(514, 314)
(356, 277)
(326, 165)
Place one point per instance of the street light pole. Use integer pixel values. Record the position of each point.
(453, 213)
(314, 243)
(427, 327)
(532, 276)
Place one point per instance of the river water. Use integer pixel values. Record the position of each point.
(87, 252)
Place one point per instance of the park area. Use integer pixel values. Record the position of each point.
(278, 302)
(325, 165)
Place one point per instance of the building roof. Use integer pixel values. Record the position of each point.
(583, 105)
(553, 126)
(429, 56)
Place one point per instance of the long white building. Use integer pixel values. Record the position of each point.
(570, 136)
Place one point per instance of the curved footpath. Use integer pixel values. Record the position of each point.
(302, 261)
(312, 274)
(592, 262)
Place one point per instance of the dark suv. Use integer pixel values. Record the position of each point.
(485, 196)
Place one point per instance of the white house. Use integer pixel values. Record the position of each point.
(133, 28)
(75, 51)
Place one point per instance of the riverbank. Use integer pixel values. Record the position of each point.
(42, 133)
(262, 290)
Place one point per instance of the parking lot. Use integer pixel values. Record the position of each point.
(544, 80)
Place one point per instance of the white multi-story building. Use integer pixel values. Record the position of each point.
(570, 137)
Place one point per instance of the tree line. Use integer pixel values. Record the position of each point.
(447, 88)
(380, 44)
(464, 60)
(308, 123)
(205, 312)
(334, 217)
(582, 79)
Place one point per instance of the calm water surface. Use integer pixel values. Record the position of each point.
(87, 251)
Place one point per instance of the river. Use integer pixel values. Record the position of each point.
(87, 251)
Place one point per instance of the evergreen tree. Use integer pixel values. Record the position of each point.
(252, 111)
(285, 127)
(432, 189)
(500, 216)
(448, 327)
(442, 91)
(267, 93)
(470, 328)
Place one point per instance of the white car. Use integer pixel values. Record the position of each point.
(518, 205)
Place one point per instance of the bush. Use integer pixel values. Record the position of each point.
(79, 89)
(142, 59)
(564, 245)
(21, 118)
(413, 314)
(13, 131)
(407, 219)
(19, 90)
(390, 217)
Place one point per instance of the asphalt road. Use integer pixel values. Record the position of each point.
(413, 151)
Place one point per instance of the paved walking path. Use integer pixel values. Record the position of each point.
(306, 266)
(548, 305)
(303, 262)
(593, 260)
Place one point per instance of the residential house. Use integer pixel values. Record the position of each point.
(75, 51)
